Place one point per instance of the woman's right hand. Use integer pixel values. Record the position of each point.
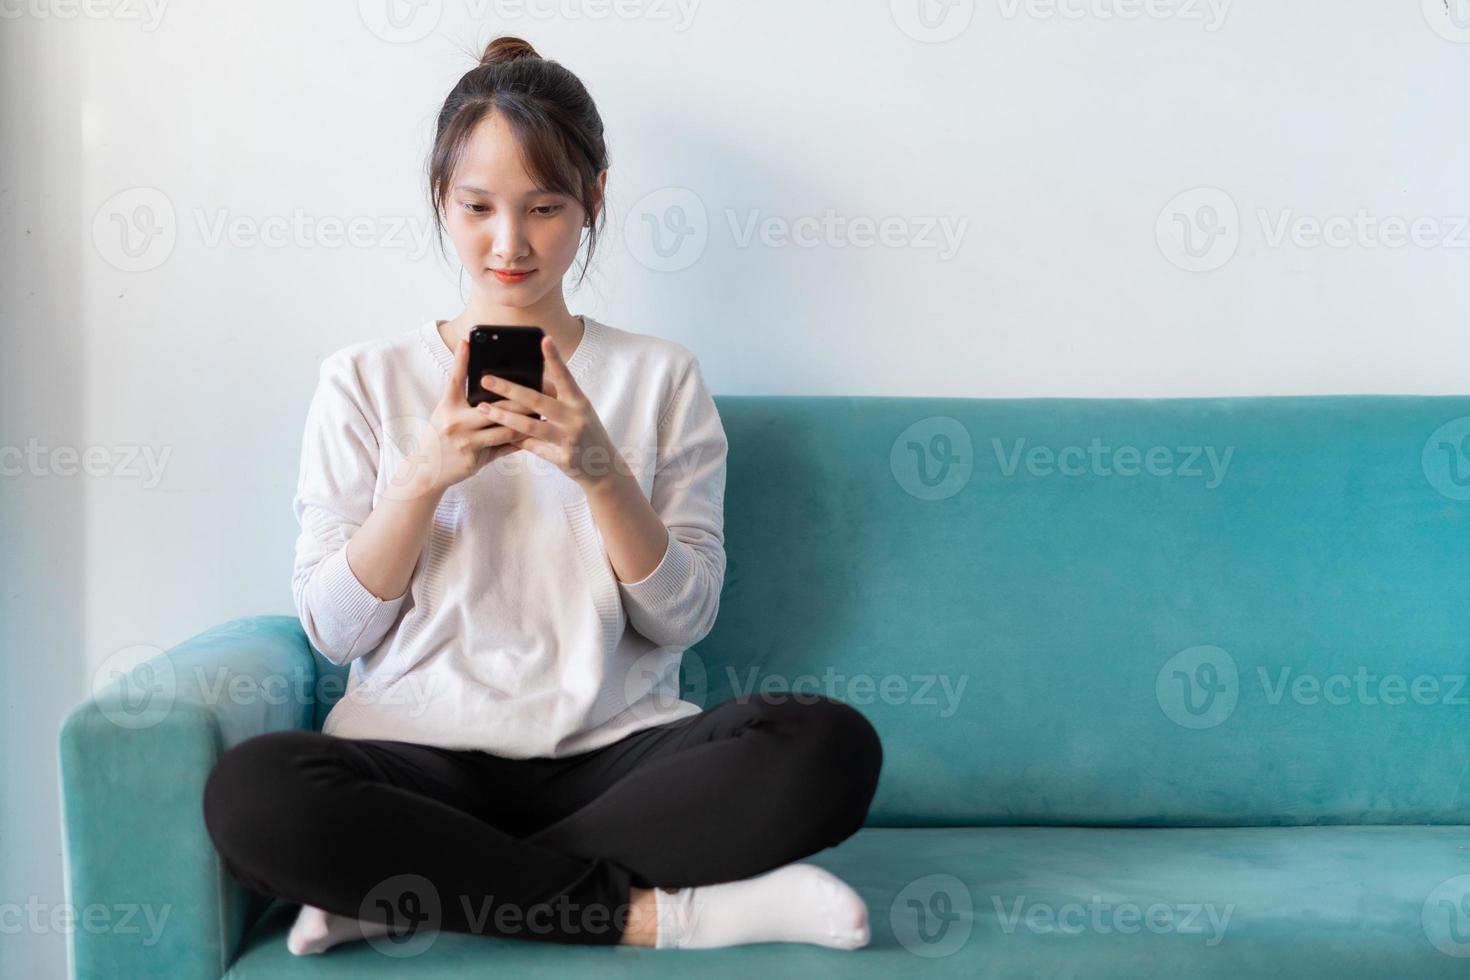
(466, 439)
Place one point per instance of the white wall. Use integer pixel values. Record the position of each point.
(1053, 141)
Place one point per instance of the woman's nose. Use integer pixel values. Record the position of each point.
(509, 240)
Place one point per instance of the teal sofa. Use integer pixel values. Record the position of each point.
(1167, 687)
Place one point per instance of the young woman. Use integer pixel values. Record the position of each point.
(511, 756)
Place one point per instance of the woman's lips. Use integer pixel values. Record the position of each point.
(511, 276)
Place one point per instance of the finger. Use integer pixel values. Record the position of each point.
(495, 435)
(519, 422)
(458, 373)
(533, 400)
(505, 403)
(559, 372)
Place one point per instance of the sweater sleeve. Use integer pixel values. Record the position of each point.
(334, 496)
(676, 604)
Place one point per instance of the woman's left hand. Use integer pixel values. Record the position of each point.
(570, 428)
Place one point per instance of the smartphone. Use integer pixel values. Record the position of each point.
(513, 353)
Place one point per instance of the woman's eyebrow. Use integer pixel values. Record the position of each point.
(538, 192)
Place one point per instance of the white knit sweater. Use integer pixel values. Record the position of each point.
(515, 635)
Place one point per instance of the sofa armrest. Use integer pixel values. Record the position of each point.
(133, 762)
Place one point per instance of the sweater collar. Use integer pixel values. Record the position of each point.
(583, 355)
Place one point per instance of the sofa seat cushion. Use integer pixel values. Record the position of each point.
(1302, 902)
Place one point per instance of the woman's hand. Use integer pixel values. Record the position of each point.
(571, 435)
(461, 440)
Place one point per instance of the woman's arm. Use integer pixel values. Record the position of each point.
(669, 551)
(385, 550)
(635, 535)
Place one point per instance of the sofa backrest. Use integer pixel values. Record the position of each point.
(1137, 612)
(1204, 611)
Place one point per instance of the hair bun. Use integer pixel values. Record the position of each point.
(506, 48)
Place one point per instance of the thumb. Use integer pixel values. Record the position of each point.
(458, 374)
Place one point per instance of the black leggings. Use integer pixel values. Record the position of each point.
(459, 840)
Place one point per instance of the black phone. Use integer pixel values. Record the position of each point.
(513, 353)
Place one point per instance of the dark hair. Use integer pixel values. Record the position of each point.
(553, 118)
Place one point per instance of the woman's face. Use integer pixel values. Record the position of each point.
(500, 220)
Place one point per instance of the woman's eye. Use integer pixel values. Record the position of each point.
(545, 210)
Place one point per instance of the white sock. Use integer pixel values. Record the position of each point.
(316, 931)
(798, 903)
